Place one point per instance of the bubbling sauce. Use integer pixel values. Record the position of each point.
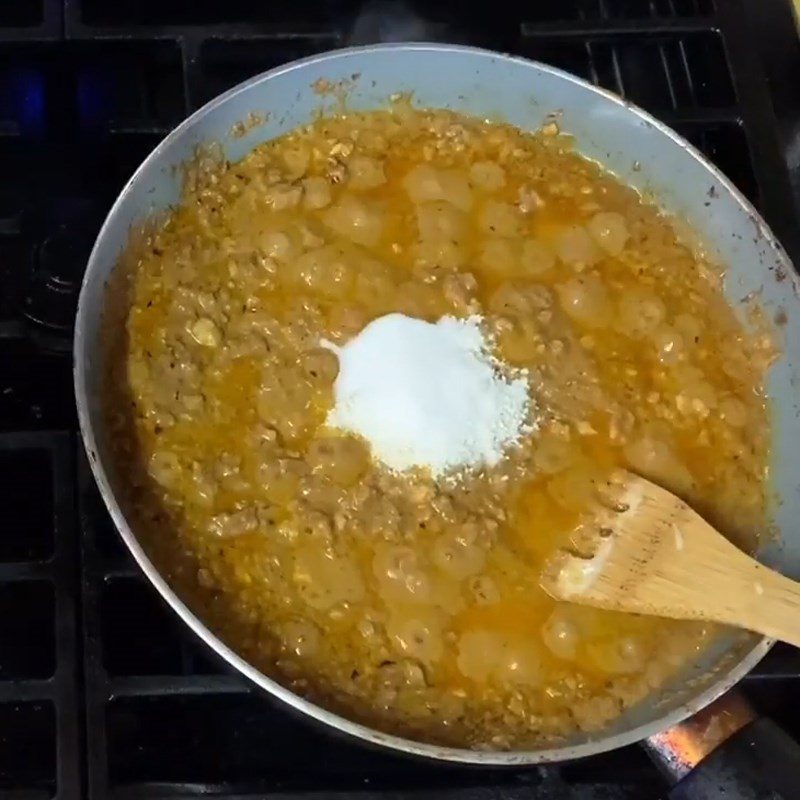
(409, 603)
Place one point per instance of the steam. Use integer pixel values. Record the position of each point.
(391, 21)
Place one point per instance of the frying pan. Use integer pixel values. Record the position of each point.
(643, 153)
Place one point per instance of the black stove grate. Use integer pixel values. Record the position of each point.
(40, 706)
(102, 693)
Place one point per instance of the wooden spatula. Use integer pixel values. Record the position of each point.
(647, 552)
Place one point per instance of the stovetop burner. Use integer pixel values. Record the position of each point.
(102, 693)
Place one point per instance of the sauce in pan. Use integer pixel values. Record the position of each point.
(409, 601)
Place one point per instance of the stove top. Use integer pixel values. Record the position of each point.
(102, 693)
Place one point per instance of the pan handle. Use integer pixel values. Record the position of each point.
(726, 752)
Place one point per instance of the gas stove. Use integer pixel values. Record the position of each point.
(102, 693)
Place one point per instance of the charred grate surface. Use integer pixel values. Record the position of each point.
(102, 693)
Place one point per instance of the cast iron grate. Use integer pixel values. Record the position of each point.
(102, 693)
(40, 708)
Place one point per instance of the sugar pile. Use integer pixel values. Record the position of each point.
(427, 394)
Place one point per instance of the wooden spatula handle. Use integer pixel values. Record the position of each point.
(653, 554)
(733, 588)
(757, 598)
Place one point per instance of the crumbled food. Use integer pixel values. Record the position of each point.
(401, 599)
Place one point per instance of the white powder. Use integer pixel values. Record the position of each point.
(427, 395)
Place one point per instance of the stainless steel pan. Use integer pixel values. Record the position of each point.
(638, 148)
